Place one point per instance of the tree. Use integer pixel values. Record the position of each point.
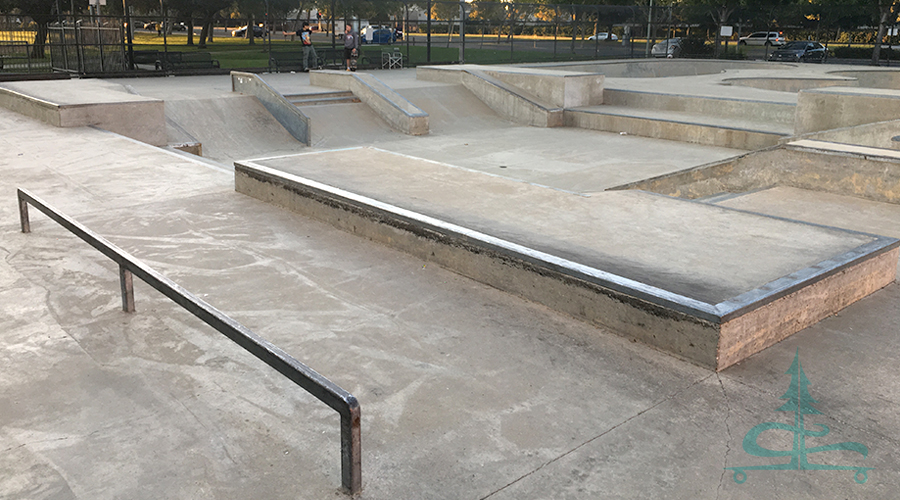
(887, 14)
(42, 12)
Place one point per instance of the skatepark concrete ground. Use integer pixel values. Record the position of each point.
(466, 391)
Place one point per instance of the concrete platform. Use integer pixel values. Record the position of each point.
(714, 297)
(467, 392)
(817, 207)
(79, 103)
(678, 126)
(873, 173)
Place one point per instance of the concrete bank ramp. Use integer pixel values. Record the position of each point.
(346, 125)
(705, 283)
(228, 128)
(453, 109)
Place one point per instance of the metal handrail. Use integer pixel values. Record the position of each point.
(326, 391)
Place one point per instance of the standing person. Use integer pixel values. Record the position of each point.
(309, 52)
(351, 43)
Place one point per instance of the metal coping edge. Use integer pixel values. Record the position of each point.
(606, 279)
(718, 313)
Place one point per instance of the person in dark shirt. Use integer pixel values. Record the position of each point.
(309, 52)
(351, 43)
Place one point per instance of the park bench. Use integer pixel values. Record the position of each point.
(331, 58)
(15, 55)
(334, 59)
(185, 60)
(146, 57)
(286, 61)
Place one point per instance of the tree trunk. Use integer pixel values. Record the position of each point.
(204, 32)
(249, 32)
(40, 41)
(882, 28)
(190, 31)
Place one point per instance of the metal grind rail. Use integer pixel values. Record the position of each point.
(326, 391)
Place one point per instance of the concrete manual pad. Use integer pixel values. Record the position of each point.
(682, 261)
(816, 207)
(78, 103)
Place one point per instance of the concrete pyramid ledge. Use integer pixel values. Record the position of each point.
(728, 285)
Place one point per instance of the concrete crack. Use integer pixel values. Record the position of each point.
(598, 436)
(728, 441)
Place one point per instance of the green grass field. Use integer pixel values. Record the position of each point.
(237, 53)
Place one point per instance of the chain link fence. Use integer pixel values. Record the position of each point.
(430, 32)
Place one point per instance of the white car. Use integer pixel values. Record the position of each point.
(667, 48)
(604, 37)
(763, 38)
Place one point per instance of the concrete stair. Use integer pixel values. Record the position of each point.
(716, 121)
(679, 126)
(322, 98)
(763, 111)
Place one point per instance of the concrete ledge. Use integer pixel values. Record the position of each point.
(526, 96)
(839, 107)
(81, 103)
(657, 68)
(777, 320)
(511, 102)
(712, 335)
(738, 109)
(790, 84)
(682, 129)
(387, 103)
(560, 89)
(288, 115)
(872, 135)
(876, 78)
(813, 165)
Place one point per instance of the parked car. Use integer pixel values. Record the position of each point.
(157, 26)
(774, 38)
(667, 48)
(258, 31)
(604, 37)
(376, 34)
(800, 52)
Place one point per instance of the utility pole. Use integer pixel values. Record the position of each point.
(268, 34)
(462, 32)
(164, 27)
(649, 28)
(129, 60)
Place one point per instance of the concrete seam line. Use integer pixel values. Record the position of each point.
(591, 440)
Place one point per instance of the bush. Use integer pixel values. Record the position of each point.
(696, 47)
(862, 52)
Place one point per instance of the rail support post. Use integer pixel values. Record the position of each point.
(127, 283)
(351, 451)
(23, 214)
